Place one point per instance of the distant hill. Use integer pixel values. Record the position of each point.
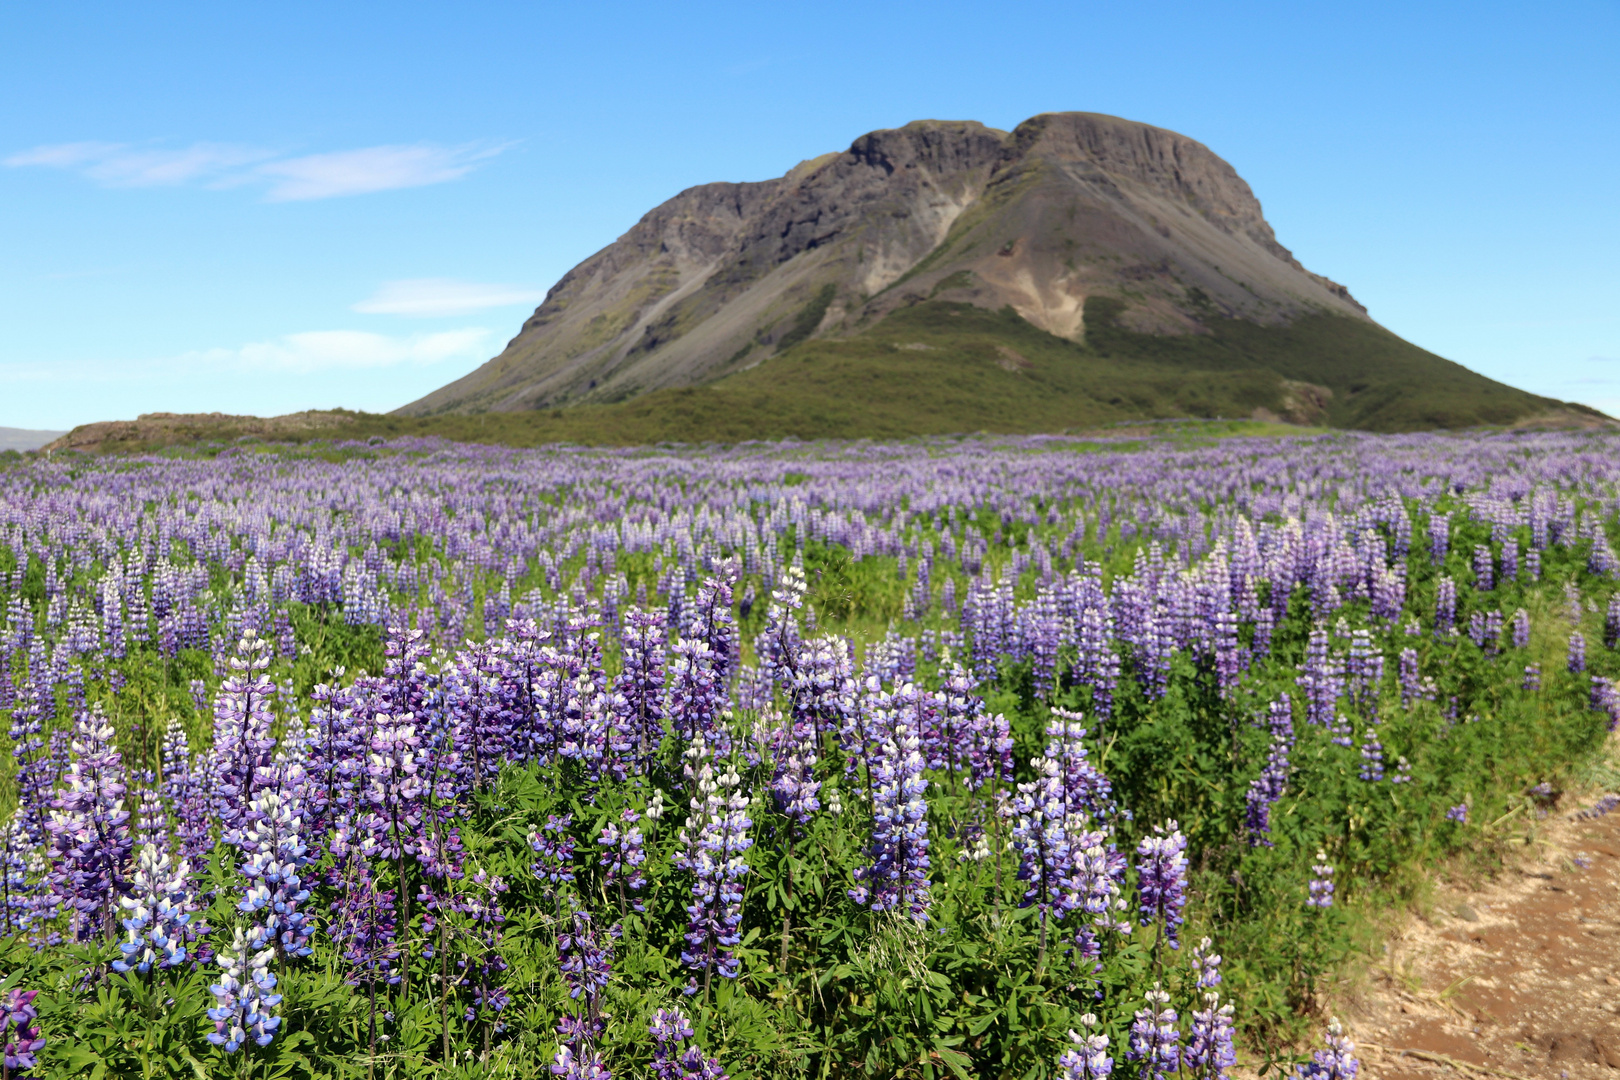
(12, 438)
(946, 276)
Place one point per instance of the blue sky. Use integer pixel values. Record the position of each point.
(262, 208)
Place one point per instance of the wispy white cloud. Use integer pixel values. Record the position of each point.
(65, 155)
(326, 350)
(120, 165)
(286, 179)
(435, 297)
(376, 168)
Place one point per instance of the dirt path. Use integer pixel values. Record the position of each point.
(1520, 978)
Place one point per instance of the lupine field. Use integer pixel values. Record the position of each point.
(1012, 758)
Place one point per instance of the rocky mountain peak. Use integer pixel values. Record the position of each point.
(1065, 208)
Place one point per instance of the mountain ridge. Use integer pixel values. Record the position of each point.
(1065, 207)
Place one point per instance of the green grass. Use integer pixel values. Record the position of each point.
(1380, 382)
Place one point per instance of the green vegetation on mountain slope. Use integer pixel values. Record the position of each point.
(941, 368)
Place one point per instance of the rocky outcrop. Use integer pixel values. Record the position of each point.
(1066, 207)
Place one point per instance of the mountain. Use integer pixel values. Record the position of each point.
(1141, 260)
(12, 438)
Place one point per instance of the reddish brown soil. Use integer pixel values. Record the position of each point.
(1518, 978)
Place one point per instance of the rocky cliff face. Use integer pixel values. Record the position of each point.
(1067, 207)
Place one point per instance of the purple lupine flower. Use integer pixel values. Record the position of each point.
(1484, 568)
(1265, 623)
(893, 659)
(1271, 784)
(794, 786)
(1372, 756)
(968, 738)
(484, 966)
(1600, 558)
(33, 772)
(673, 1057)
(479, 707)
(1521, 629)
(364, 925)
(1322, 679)
(710, 620)
(1096, 665)
(1098, 876)
(1403, 771)
(779, 642)
(1227, 654)
(1364, 670)
(586, 961)
(554, 843)
(897, 878)
(1342, 732)
(527, 681)
(1576, 661)
(159, 907)
(1337, 1062)
(1605, 698)
(18, 891)
(1411, 686)
(335, 760)
(589, 731)
(1065, 865)
(1209, 1050)
(1458, 813)
(1085, 789)
(151, 820)
(638, 689)
(821, 688)
(1321, 887)
(274, 858)
(23, 1042)
(390, 791)
(199, 696)
(90, 842)
(242, 753)
(571, 1066)
(1161, 887)
(1532, 678)
(1439, 537)
(244, 1002)
(1601, 808)
(1089, 1059)
(408, 687)
(1206, 965)
(713, 843)
(1045, 639)
(1156, 647)
(1155, 1037)
(1510, 560)
(625, 851)
(1611, 623)
(695, 694)
(1445, 608)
